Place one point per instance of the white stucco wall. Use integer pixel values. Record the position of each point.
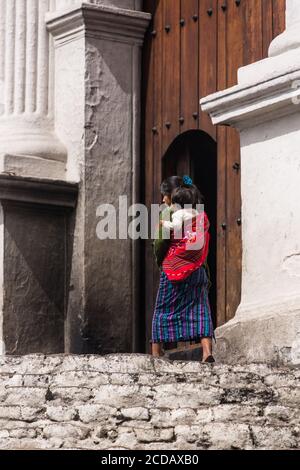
(270, 206)
(263, 106)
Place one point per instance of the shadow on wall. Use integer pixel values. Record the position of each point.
(36, 277)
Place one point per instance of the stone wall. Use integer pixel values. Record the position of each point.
(137, 402)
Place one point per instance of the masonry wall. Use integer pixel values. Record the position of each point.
(137, 402)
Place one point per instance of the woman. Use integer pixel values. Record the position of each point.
(182, 311)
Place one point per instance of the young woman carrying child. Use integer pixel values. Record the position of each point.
(182, 311)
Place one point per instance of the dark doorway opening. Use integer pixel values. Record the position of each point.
(194, 153)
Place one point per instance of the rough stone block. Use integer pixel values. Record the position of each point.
(161, 418)
(154, 435)
(273, 438)
(216, 436)
(135, 413)
(95, 413)
(10, 412)
(65, 430)
(28, 396)
(61, 413)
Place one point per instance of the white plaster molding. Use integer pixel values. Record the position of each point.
(31, 166)
(267, 89)
(244, 106)
(98, 21)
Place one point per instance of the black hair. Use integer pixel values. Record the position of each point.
(185, 195)
(169, 184)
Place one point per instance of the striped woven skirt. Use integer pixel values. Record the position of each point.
(182, 311)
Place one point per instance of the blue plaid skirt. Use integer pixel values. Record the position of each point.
(182, 311)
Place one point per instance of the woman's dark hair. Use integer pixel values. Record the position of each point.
(169, 184)
(174, 182)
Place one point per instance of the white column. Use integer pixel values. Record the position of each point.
(290, 38)
(28, 144)
(2, 56)
(292, 13)
(264, 106)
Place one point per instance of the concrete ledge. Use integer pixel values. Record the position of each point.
(38, 191)
(98, 21)
(274, 339)
(32, 167)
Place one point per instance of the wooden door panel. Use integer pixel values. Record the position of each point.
(267, 26)
(221, 170)
(189, 93)
(171, 72)
(278, 17)
(158, 26)
(148, 127)
(184, 61)
(207, 57)
(236, 47)
(253, 31)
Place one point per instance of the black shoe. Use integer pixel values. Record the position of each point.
(210, 359)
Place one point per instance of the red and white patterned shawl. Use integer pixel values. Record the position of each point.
(188, 253)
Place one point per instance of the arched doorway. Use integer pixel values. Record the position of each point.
(194, 153)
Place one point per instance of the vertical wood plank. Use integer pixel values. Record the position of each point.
(171, 71)
(235, 40)
(207, 57)
(157, 138)
(253, 38)
(158, 101)
(278, 17)
(221, 175)
(267, 25)
(235, 59)
(189, 64)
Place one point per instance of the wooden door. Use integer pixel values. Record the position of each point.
(193, 48)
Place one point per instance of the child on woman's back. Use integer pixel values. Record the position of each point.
(184, 207)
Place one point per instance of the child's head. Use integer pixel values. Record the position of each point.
(171, 186)
(184, 196)
(187, 194)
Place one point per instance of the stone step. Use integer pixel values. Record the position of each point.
(137, 402)
(185, 353)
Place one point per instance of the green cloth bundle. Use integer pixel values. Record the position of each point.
(161, 244)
